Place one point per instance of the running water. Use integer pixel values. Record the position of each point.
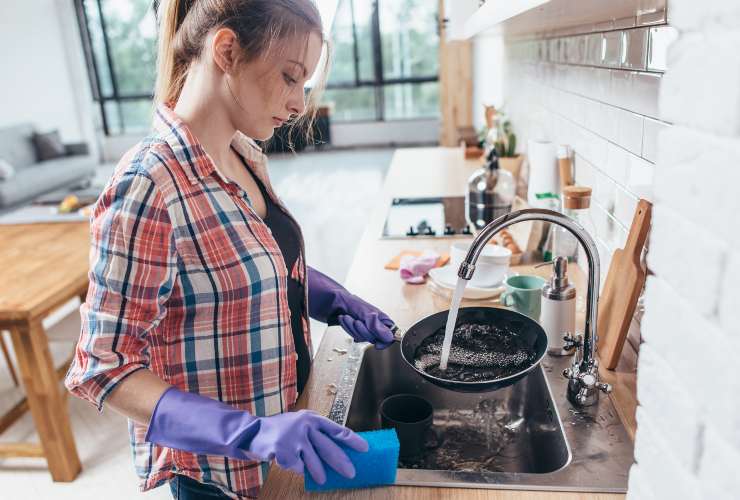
(451, 320)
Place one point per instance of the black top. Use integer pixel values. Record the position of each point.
(288, 237)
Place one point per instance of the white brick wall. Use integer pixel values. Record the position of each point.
(692, 303)
(675, 140)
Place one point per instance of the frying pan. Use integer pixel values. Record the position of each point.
(529, 330)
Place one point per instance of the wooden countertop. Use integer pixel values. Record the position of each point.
(419, 172)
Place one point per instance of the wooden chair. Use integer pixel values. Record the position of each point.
(8, 361)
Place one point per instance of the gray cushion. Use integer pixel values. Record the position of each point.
(46, 176)
(48, 145)
(16, 145)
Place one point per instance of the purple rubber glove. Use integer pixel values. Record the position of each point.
(330, 302)
(298, 441)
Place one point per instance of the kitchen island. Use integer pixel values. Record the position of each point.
(421, 172)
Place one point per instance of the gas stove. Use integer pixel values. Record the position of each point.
(442, 217)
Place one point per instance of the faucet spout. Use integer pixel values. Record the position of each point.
(584, 386)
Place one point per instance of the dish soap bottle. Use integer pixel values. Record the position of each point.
(490, 193)
(558, 315)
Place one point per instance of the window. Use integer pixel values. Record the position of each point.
(385, 60)
(120, 42)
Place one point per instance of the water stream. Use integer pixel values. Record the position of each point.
(451, 320)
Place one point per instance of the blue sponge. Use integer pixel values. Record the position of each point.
(375, 467)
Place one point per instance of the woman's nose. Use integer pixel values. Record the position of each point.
(296, 104)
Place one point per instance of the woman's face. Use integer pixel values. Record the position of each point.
(270, 90)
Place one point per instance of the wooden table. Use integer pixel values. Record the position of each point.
(420, 172)
(43, 267)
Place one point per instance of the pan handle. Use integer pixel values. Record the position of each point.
(397, 333)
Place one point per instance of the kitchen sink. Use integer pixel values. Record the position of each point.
(525, 436)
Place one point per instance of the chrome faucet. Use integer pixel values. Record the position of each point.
(583, 374)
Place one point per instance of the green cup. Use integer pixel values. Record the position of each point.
(524, 294)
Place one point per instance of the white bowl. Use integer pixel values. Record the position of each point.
(491, 266)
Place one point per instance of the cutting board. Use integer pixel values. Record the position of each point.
(622, 288)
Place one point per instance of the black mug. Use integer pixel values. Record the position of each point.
(411, 416)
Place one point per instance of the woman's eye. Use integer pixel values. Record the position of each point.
(289, 80)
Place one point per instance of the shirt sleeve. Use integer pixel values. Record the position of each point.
(132, 271)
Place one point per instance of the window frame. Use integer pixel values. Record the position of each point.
(379, 81)
(94, 73)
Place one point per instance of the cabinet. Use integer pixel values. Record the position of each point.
(456, 14)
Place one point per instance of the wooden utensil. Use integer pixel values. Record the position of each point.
(622, 288)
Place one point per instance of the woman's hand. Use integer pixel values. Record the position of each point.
(330, 302)
(297, 441)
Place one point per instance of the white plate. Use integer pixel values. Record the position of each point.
(446, 278)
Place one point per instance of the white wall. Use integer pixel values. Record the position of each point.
(688, 436)
(488, 71)
(44, 77)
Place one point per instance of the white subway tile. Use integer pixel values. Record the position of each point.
(618, 239)
(577, 49)
(661, 38)
(618, 163)
(592, 115)
(554, 50)
(602, 222)
(611, 122)
(584, 172)
(594, 47)
(612, 48)
(604, 191)
(651, 129)
(625, 204)
(644, 96)
(601, 79)
(640, 177)
(630, 131)
(634, 50)
(605, 260)
(620, 90)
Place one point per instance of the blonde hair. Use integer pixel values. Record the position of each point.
(259, 25)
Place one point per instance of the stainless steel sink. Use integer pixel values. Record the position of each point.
(526, 436)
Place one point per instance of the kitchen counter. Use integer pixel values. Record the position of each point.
(422, 172)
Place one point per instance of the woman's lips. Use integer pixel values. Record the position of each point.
(277, 121)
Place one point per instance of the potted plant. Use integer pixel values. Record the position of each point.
(498, 134)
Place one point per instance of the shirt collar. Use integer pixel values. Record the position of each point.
(197, 164)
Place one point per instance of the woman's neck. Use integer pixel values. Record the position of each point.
(206, 118)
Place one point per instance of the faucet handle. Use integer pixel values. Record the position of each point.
(604, 387)
(572, 341)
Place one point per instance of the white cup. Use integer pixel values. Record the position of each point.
(491, 267)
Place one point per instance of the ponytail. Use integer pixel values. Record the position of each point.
(170, 69)
(258, 24)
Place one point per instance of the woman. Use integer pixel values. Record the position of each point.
(195, 325)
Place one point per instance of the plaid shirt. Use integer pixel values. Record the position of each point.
(187, 281)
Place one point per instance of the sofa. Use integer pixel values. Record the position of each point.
(32, 177)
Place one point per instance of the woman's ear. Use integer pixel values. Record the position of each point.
(224, 48)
